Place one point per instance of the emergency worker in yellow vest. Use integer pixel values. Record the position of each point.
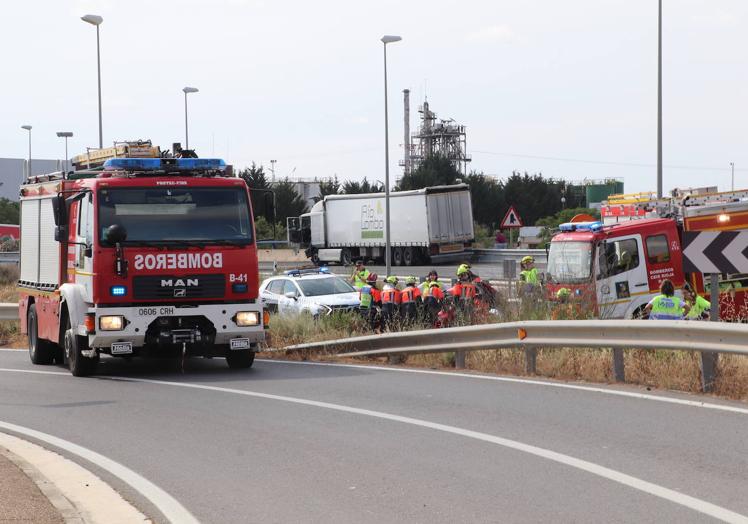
(390, 301)
(464, 291)
(529, 274)
(370, 299)
(433, 277)
(432, 297)
(666, 306)
(410, 299)
(360, 274)
(700, 307)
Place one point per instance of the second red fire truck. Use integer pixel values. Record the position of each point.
(140, 256)
(617, 267)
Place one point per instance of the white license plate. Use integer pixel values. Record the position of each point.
(121, 348)
(239, 343)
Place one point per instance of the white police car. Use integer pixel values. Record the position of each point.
(313, 291)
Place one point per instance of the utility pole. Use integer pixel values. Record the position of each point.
(659, 101)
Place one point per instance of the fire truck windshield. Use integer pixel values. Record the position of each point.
(199, 215)
(570, 262)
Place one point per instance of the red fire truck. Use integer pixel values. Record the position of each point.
(139, 257)
(617, 267)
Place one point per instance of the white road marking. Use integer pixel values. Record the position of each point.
(561, 385)
(701, 506)
(670, 495)
(165, 503)
(593, 389)
(76, 492)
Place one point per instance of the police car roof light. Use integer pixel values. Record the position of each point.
(307, 271)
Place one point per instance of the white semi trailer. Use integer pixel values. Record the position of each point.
(425, 225)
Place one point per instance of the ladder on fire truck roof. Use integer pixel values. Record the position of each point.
(94, 158)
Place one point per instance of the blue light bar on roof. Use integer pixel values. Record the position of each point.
(581, 226)
(165, 164)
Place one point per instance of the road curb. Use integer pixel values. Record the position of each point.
(67, 511)
(80, 496)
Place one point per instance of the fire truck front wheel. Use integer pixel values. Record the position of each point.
(40, 351)
(79, 365)
(240, 359)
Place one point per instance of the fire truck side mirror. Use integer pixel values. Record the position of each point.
(59, 210)
(115, 234)
(61, 233)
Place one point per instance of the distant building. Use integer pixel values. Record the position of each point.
(12, 172)
(308, 188)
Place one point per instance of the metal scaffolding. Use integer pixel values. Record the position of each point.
(434, 137)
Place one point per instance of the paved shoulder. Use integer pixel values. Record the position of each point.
(21, 499)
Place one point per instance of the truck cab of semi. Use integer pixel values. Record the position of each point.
(139, 257)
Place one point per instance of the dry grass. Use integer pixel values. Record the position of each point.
(673, 370)
(10, 335)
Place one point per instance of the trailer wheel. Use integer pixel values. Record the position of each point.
(397, 256)
(345, 256)
(241, 359)
(40, 351)
(79, 365)
(409, 256)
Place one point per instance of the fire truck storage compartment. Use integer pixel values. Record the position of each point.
(40, 252)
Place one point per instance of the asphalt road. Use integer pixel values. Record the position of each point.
(289, 442)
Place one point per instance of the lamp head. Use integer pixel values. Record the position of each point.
(92, 19)
(389, 39)
(190, 89)
(26, 127)
(65, 134)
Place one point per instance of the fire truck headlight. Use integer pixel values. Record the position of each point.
(247, 318)
(112, 323)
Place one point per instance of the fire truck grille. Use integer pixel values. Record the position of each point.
(165, 287)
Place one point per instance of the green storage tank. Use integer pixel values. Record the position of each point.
(598, 192)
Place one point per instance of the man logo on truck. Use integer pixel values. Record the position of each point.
(189, 282)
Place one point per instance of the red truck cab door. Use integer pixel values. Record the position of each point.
(83, 234)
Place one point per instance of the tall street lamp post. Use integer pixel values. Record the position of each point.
(97, 20)
(187, 90)
(65, 135)
(28, 164)
(732, 176)
(387, 39)
(659, 101)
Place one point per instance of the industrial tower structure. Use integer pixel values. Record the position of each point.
(434, 137)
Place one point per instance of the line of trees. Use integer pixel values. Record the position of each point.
(534, 196)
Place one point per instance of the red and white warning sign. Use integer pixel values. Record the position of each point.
(511, 219)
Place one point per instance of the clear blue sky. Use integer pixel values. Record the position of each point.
(301, 82)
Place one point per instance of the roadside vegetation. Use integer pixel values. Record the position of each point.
(10, 335)
(660, 369)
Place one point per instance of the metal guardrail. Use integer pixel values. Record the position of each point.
(499, 255)
(10, 257)
(709, 338)
(9, 311)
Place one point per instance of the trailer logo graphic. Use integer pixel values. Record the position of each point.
(372, 221)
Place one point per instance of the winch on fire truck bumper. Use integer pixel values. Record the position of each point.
(170, 325)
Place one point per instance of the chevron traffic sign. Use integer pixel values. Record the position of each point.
(715, 252)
